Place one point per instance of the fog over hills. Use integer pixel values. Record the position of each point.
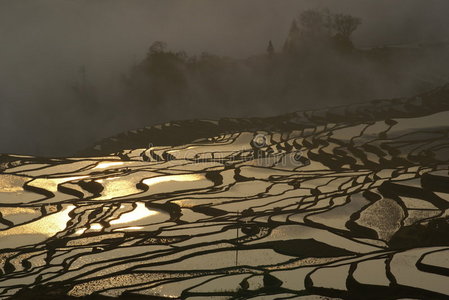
(49, 49)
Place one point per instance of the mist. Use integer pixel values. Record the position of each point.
(49, 48)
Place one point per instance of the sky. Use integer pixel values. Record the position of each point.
(43, 43)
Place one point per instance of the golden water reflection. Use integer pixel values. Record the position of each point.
(95, 226)
(12, 183)
(51, 184)
(11, 211)
(168, 178)
(140, 212)
(107, 164)
(117, 186)
(36, 231)
(131, 228)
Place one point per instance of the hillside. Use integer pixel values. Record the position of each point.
(347, 202)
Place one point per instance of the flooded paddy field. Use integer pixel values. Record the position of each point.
(340, 203)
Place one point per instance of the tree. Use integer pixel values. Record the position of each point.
(85, 92)
(345, 25)
(158, 47)
(312, 22)
(320, 30)
(292, 42)
(270, 49)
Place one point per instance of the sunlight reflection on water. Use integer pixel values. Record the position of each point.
(51, 184)
(36, 231)
(183, 177)
(107, 164)
(140, 212)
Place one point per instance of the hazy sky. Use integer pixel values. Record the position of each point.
(44, 42)
(51, 37)
(56, 35)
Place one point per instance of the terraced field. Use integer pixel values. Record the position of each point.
(348, 203)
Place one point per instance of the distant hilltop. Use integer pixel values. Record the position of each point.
(185, 131)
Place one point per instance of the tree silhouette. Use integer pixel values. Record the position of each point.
(345, 25)
(292, 41)
(312, 22)
(84, 92)
(158, 47)
(270, 49)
